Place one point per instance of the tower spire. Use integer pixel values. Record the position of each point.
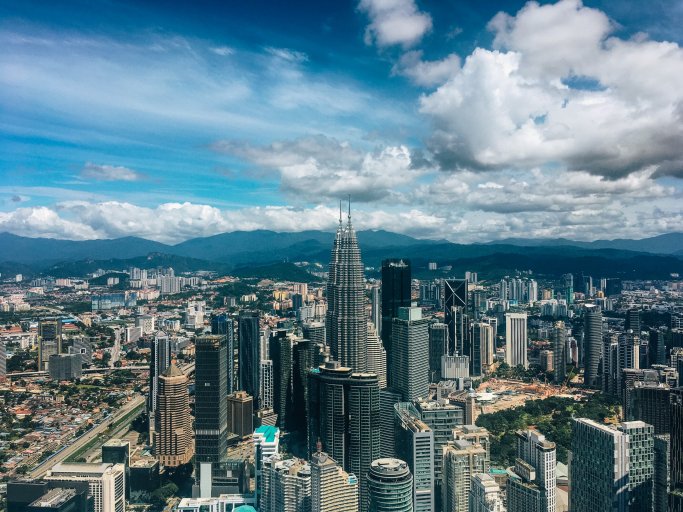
(349, 209)
(340, 212)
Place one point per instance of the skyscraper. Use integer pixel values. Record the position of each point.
(676, 447)
(390, 486)
(224, 326)
(628, 353)
(483, 348)
(415, 445)
(49, 340)
(410, 346)
(211, 404)
(248, 335)
(485, 495)
(516, 339)
(649, 402)
(344, 416)
(461, 461)
(592, 344)
(395, 295)
(441, 417)
(532, 486)
(438, 346)
(281, 355)
(661, 480)
(160, 360)
(377, 356)
(314, 331)
(346, 320)
(633, 321)
(173, 445)
(332, 488)
(455, 315)
(376, 308)
(559, 339)
(641, 463)
(598, 471)
(289, 485)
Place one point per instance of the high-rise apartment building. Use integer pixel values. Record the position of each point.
(598, 470)
(332, 488)
(559, 340)
(485, 495)
(390, 486)
(410, 338)
(641, 463)
(516, 339)
(286, 485)
(395, 295)
(173, 445)
(415, 445)
(346, 319)
(344, 416)
(592, 345)
(531, 487)
(248, 335)
(461, 461)
(438, 347)
(211, 404)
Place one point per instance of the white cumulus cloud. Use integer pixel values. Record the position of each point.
(394, 22)
(558, 88)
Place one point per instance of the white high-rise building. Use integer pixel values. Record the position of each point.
(107, 483)
(516, 339)
(332, 489)
(285, 485)
(485, 495)
(532, 484)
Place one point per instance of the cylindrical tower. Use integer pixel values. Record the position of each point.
(390, 486)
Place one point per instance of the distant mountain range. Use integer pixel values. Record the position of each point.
(248, 253)
(670, 243)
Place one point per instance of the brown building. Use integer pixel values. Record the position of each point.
(241, 414)
(174, 445)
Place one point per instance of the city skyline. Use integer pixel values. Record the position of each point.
(441, 119)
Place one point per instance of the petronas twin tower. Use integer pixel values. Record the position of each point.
(347, 328)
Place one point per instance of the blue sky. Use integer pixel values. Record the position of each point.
(464, 120)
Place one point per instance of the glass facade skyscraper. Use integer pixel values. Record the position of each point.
(211, 399)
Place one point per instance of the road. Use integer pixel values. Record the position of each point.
(86, 438)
